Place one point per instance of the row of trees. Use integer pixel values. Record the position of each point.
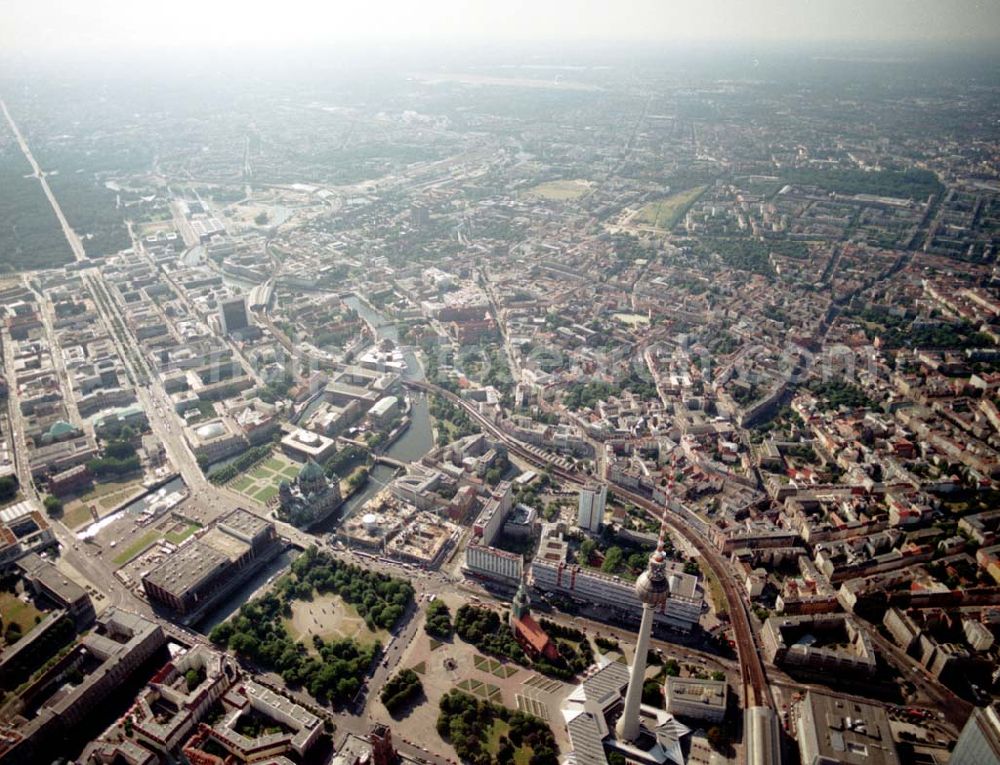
(467, 724)
(400, 690)
(240, 465)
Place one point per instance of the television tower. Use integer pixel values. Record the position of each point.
(653, 589)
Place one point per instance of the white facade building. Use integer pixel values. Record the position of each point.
(591, 509)
(494, 513)
(551, 573)
(494, 563)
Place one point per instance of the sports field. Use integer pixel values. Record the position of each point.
(560, 191)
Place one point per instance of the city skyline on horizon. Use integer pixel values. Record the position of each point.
(50, 28)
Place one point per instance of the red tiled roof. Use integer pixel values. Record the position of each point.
(533, 633)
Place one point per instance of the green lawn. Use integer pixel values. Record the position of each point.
(176, 537)
(242, 483)
(522, 755)
(497, 730)
(14, 610)
(77, 517)
(665, 213)
(136, 547)
(560, 191)
(105, 495)
(261, 484)
(266, 494)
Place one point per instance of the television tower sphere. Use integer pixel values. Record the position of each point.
(652, 586)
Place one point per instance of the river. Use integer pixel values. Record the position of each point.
(418, 438)
(232, 604)
(412, 445)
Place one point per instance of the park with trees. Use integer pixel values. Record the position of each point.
(488, 734)
(330, 670)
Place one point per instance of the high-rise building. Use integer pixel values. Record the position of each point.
(419, 214)
(979, 743)
(233, 315)
(591, 511)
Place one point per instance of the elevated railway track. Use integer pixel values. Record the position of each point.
(755, 688)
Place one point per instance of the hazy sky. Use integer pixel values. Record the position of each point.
(47, 26)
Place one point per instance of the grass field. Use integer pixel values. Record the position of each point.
(242, 483)
(78, 516)
(560, 191)
(329, 616)
(486, 691)
(176, 536)
(106, 496)
(136, 547)
(261, 483)
(665, 213)
(14, 610)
